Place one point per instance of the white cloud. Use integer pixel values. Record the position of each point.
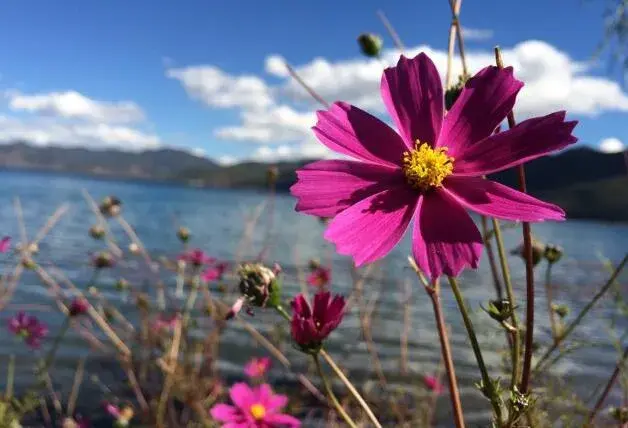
(44, 132)
(199, 152)
(216, 88)
(611, 145)
(73, 105)
(276, 65)
(476, 33)
(227, 160)
(284, 152)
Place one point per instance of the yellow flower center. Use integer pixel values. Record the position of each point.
(426, 167)
(258, 411)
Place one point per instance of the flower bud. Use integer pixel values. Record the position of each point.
(142, 301)
(370, 44)
(256, 282)
(28, 263)
(134, 248)
(110, 206)
(97, 231)
(499, 310)
(122, 284)
(103, 260)
(452, 94)
(272, 174)
(553, 253)
(183, 234)
(314, 264)
(620, 414)
(538, 251)
(561, 310)
(78, 307)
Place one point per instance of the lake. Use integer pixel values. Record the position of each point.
(216, 219)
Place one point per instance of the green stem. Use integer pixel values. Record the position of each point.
(49, 360)
(189, 304)
(330, 393)
(549, 299)
(516, 340)
(10, 376)
(487, 384)
(583, 312)
(282, 311)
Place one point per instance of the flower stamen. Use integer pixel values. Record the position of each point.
(425, 167)
(258, 411)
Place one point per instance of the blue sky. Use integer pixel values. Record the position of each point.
(139, 73)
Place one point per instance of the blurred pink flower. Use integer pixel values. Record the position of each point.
(257, 367)
(79, 306)
(432, 383)
(257, 407)
(214, 273)
(320, 277)
(310, 326)
(196, 257)
(163, 322)
(5, 244)
(432, 170)
(112, 410)
(28, 328)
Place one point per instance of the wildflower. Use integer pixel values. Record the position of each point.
(97, 231)
(5, 244)
(110, 206)
(29, 328)
(319, 277)
(432, 383)
(257, 367)
(196, 258)
(122, 415)
(553, 253)
(214, 273)
(370, 44)
(103, 260)
(183, 233)
(538, 251)
(258, 285)
(254, 407)
(433, 171)
(78, 306)
(311, 325)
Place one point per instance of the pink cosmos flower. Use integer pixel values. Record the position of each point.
(78, 306)
(28, 328)
(5, 244)
(214, 273)
(310, 326)
(257, 407)
(257, 367)
(431, 170)
(196, 257)
(432, 383)
(320, 277)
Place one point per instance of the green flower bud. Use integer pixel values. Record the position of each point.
(370, 44)
(97, 231)
(499, 310)
(538, 251)
(183, 234)
(560, 310)
(553, 253)
(620, 414)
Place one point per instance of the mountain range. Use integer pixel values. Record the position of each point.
(585, 182)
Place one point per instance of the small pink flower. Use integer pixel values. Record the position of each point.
(257, 407)
(28, 328)
(319, 277)
(196, 258)
(5, 244)
(165, 323)
(432, 383)
(79, 306)
(310, 326)
(112, 410)
(214, 273)
(432, 170)
(257, 367)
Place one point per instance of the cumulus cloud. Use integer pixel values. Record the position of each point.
(476, 33)
(611, 145)
(216, 88)
(74, 105)
(44, 131)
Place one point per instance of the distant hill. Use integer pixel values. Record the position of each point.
(587, 183)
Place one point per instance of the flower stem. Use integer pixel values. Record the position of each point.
(487, 384)
(282, 311)
(491, 259)
(351, 388)
(10, 377)
(49, 360)
(548, 298)
(330, 393)
(607, 389)
(516, 340)
(434, 293)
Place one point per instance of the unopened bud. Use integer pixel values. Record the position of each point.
(122, 284)
(103, 260)
(183, 234)
(134, 248)
(553, 253)
(78, 307)
(314, 264)
(620, 414)
(110, 206)
(370, 44)
(538, 251)
(97, 231)
(272, 174)
(28, 263)
(560, 310)
(499, 310)
(142, 301)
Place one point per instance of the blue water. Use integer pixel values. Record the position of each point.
(216, 219)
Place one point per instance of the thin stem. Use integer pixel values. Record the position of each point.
(583, 313)
(607, 389)
(330, 393)
(455, 22)
(351, 388)
(548, 298)
(527, 247)
(305, 86)
(391, 30)
(486, 380)
(282, 311)
(516, 340)
(189, 304)
(49, 360)
(434, 293)
(491, 259)
(10, 377)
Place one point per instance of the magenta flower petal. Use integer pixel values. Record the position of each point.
(5, 244)
(241, 395)
(283, 420)
(224, 412)
(528, 140)
(369, 229)
(324, 188)
(484, 102)
(348, 130)
(445, 238)
(496, 200)
(413, 94)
